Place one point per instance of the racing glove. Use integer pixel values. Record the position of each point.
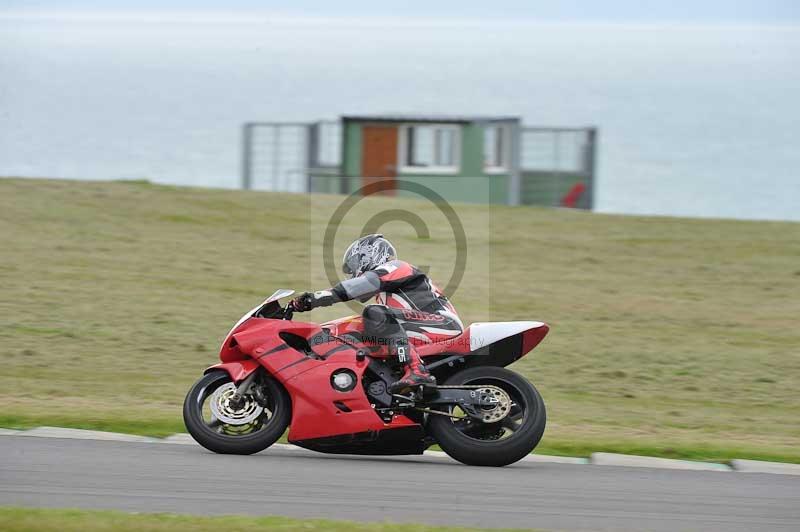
(308, 301)
(302, 303)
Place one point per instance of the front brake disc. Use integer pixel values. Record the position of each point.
(248, 410)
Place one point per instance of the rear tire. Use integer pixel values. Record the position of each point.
(269, 430)
(486, 448)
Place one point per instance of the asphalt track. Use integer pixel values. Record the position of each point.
(147, 477)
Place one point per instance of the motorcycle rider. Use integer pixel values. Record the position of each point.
(407, 305)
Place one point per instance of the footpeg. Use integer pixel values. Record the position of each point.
(424, 390)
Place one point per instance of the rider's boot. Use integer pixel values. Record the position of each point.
(415, 373)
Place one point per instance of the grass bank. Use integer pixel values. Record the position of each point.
(39, 520)
(671, 337)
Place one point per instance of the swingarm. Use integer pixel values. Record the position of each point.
(488, 404)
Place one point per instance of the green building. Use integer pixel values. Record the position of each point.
(438, 152)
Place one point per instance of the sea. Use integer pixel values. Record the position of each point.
(694, 120)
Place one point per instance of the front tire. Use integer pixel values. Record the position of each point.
(268, 414)
(497, 444)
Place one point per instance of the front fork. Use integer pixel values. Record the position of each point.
(238, 396)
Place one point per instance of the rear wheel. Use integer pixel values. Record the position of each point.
(221, 424)
(497, 443)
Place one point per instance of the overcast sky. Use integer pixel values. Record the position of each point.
(702, 11)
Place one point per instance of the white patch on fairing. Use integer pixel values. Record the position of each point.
(443, 332)
(483, 334)
(419, 336)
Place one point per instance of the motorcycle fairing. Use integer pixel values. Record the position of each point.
(303, 357)
(238, 369)
(501, 343)
(401, 440)
(320, 411)
(279, 294)
(482, 334)
(287, 350)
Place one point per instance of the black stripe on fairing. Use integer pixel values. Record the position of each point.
(337, 349)
(274, 350)
(296, 362)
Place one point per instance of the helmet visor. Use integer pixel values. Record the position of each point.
(351, 264)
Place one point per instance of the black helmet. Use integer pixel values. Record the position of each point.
(367, 253)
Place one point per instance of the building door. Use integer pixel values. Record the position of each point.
(379, 156)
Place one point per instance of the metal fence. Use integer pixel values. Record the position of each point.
(558, 166)
(281, 156)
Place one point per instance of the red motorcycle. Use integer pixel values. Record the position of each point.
(328, 384)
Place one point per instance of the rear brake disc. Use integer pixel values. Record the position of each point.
(495, 404)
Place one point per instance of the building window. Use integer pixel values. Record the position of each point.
(430, 148)
(496, 148)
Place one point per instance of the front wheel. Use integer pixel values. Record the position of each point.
(497, 443)
(229, 427)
